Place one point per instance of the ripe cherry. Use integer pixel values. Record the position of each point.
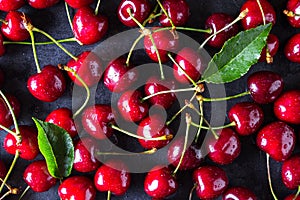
(277, 139)
(10, 5)
(292, 48)
(239, 193)
(41, 4)
(5, 115)
(265, 86)
(292, 13)
(2, 47)
(37, 176)
(79, 3)
(77, 188)
(292, 197)
(3, 169)
(290, 172)
(273, 45)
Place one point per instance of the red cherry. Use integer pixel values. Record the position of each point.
(272, 44)
(211, 182)
(160, 182)
(293, 6)
(79, 3)
(37, 176)
(290, 172)
(77, 188)
(89, 28)
(216, 22)
(292, 197)
(178, 11)
(2, 47)
(41, 4)
(96, 121)
(292, 48)
(5, 115)
(48, 85)
(114, 177)
(9, 5)
(277, 139)
(265, 86)
(3, 170)
(140, 10)
(29, 146)
(254, 17)
(239, 193)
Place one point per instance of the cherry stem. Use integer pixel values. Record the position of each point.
(97, 7)
(24, 192)
(200, 121)
(151, 151)
(68, 15)
(168, 91)
(41, 43)
(6, 185)
(191, 192)
(5, 195)
(158, 57)
(108, 195)
(38, 68)
(214, 128)
(297, 193)
(152, 16)
(269, 177)
(225, 98)
(166, 13)
(289, 13)
(209, 30)
(3, 21)
(262, 11)
(132, 48)
(134, 19)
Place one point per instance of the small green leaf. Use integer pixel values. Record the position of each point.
(237, 56)
(57, 147)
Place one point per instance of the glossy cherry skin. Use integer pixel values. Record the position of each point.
(15, 29)
(84, 155)
(2, 47)
(254, 17)
(62, 117)
(247, 116)
(96, 121)
(77, 188)
(277, 139)
(273, 46)
(48, 85)
(216, 22)
(140, 10)
(292, 197)
(292, 48)
(191, 62)
(226, 148)
(3, 169)
(290, 172)
(118, 76)
(89, 28)
(239, 193)
(113, 176)
(37, 176)
(178, 11)
(5, 115)
(287, 107)
(41, 4)
(164, 41)
(293, 6)
(211, 181)
(10, 5)
(160, 182)
(79, 3)
(29, 146)
(265, 86)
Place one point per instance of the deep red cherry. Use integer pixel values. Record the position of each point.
(254, 17)
(88, 67)
(15, 29)
(265, 86)
(191, 62)
(37, 176)
(3, 169)
(89, 28)
(41, 4)
(77, 188)
(84, 155)
(178, 11)
(247, 116)
(48, 85)
(292, 197)
(9, 5)
(5, 115)
(118, 76)
(239, 193)
(160, 182)
(29, 146)
(211, 181)
(273, 45)
(2, 47)
(140, 10)
(277, 139)
(293, 6)
(62, 117)
(79, 3)
(164, 42)
(287, 107)
(96, 121)
(216, 22)
(292, 48)
(290, 172)
(113, 176)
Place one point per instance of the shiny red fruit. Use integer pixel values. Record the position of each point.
(5, 115)
(292, 197)
(3, 169)
(239, 193)
(10, 5)
(79, 3)
(292, 48)
(293, 6)
(178, 11)
(41, 4)
(290, 172)
(273, 45)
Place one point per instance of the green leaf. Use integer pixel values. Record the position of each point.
(237, 56)
(57, 147)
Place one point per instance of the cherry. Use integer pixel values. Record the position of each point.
(292, 197)
(292, 48)
(5, 115)
(192, 64)
(48, 85)
(77, 188)
(265, 86)
(131, 107)
(88, 67)
(292, 13)
(273, 45)
(96, 121)
(41, 4)
(113, 176)
(118, 76)
(211, 181)
(178, 11)
(160, 182)
(216, 22)
(9, 5)
(89, 28)
(254, 17)
(277, 139)
(2, 47)
(84, 158)
(14, 28)
(247, 116)
(290, 172)
(140, 9)
(29, 146)
(62, 117)
(239, 193)
(79, 3)
(3, 169)
(37, 176)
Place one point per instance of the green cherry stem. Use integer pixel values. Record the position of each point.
(158, 57)
(168, 91)
(148, 152)
(152, 16)
(38, 68)
(262, 11)
(134, 19)
(68, 15)
(191, 192)
(132, 48)
(297, 193)
(214, 128)
(209, 31)
(269, 177)
(225, 98)
(41, 43)
(97, 7)
(5, 195)
(200, 121)
(24, 192)
(166, 13)
(108, 195)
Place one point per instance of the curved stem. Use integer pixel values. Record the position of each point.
(168, 91)
(68, 15)
(226, 98)
(151, 16)
(5, 195)
(24, 192)
(151, 151)
(297, 193)
(209, 31)
(192, 190)
(38, 68)
(8, 130)
(200, 121)
(269, 177)
(165, 12)
(97, 7)
(41, 43)
(108, 195)
(158, 57)
(132, 48)
(262, 12)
